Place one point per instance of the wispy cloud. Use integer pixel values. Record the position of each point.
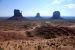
(60, 1)
(57, 1)
(71, 5)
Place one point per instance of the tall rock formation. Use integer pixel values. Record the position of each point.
(38, 16)
(17, 15)
(56, 15)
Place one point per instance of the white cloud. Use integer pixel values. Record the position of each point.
(71, 5)
(60, 1)
(57, 1)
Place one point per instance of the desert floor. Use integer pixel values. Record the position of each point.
(37, 35)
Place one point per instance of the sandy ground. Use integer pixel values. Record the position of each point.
(63, 43)
(13, 36)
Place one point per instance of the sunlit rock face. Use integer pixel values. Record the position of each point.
(17, 15)
(56, 15)
(38, 15)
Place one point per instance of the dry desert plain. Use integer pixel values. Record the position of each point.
(37, 35)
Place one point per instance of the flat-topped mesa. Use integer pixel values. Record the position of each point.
(17, 15)
(56, 15)
(38, 15)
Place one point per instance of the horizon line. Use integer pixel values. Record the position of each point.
(41, 16)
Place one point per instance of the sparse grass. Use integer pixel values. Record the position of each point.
(29, 34)
(1, 48)
(39, 47)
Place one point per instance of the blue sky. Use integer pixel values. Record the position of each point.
(31, 7)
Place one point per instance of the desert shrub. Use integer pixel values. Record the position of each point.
(45, 32)
(1, 48)
(29, 34)
(38, 47)
(25, 26)
(20, 47)
(48, 49)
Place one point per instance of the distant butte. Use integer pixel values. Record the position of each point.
(38, 16)
(56, 15)
(17, 15)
